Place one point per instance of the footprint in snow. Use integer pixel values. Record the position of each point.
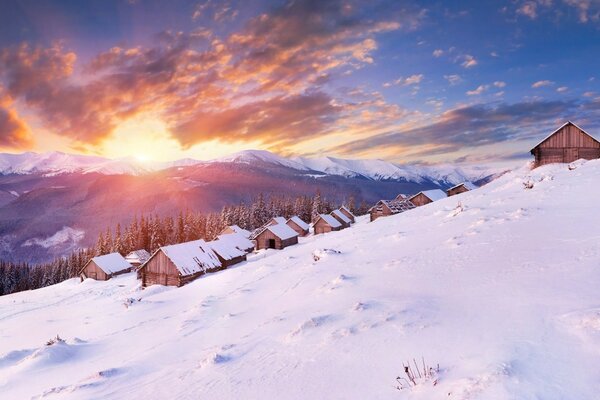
(309, 325)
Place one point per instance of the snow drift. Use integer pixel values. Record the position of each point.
(499, 286)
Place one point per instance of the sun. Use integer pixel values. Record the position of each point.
(142, 158)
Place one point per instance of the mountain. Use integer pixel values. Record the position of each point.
(501, 294)
(53, 203)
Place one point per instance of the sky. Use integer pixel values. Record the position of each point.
(404, 81)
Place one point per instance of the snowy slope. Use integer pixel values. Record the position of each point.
(502, 293)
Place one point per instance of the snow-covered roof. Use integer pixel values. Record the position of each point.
(468, 185)
(111, 263)
(295, 219)
(138, 256)
(192, 257)
(341, 215)
(237, 240)
(433, 194)
(282, 231)
(396, 206)
(346, 209)
(562, 126)
(239, 230)
(278, 220)
(226, 249)
(331, 221)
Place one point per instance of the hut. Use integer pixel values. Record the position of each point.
(235, 229)
(342, 219)
(238, 240)
(460, 188)
(566, 144)
(326, 223)
(227, 252)
(179, 264)
(137, 257)
(298, 225)
(102, 268)
(277, 221)
(347, 213)
(277, 236)
(385, 208)
(401, 196)
(427, 196)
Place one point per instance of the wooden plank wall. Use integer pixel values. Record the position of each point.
(420, 200)
(92, 270)
(569, 136)
(458, 190)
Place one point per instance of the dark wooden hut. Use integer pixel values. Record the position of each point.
(278, 236)
(348, 213)
(298, 225)
(326, 223)
(427, 196)
(104, 267)
(342, 219)
(385, 208)
(460, 188)
(566, 144)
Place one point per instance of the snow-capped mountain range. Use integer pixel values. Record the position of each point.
(53, 163)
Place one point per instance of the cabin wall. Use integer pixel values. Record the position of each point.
(93, 271)
(262, 241)
(567, 145)
(323, 227)
(160, 270)
(347, 214)
(420, 200)
(297, 228)
(230, 262)
(341, 221)
(458, 190)
(381, 211)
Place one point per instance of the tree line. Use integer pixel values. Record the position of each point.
(154, 231)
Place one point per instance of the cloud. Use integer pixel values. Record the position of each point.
(529, 9)
(587, 9)
(453, 79)
(480, 89)
(472, 126)
(499, 84)
(469, 61)
(438, 53)
(14, 132)
(562, 89)
(411, 80)
(543, 83)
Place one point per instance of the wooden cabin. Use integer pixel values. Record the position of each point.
(179, 264)
(401, 196)
(238, 240)
(460, 188)
(277, 236)
(277, 221)
(235, 229)
(348, 213)
(566, 144)
(427, 196)
(298, 225)
(385, 208)
(342, 219)
(326, 223)
(102, 268)
(227, 252)
(137, 257)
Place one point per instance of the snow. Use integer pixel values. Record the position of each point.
(342, 216)
(240, 231)
(137, 256)
(278, 220)
(66, 236)
(237, 240)
(282, 231)
(299, 222)
(502, 293)
(331, 221)
(192, 257)
(226, 249)
(111, 263)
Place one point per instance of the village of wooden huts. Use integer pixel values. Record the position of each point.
(104, 267)
(301, 227)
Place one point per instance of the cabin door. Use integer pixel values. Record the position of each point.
(271, 243)
(571, 154)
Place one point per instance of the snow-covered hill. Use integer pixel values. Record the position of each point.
(502, 293)
(57, 163)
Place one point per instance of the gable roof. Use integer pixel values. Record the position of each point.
(138, 255)
(341, 215)
(192, 257)
(277, 220)
(237, 240)
(226, 249)
(295, 219)
(282, 231)
(396, 206)
(331, 221)
(433, 194)
(557, 130)
(110, 263)
(239, 230)
(468, 185)
(347, 210)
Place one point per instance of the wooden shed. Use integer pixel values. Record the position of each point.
(238, 240)
(566, 144)
(277, 221)
(104, 267)
(179, 264)
(342, 219)
(348, 213)
(427, 196)
(385, 208)
(326, 223)
(298, 225)
(137, 257)
(235, 229)
(460, 188)
(227, 252)
(277, 236)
